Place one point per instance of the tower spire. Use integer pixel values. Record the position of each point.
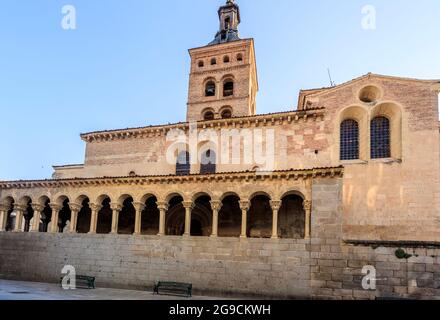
(229, 16)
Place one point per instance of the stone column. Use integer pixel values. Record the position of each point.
(3, 217)
(19, 211)
(216, 207)
(163, 207)
(74, 209)
(276, 205)
(244, 206)
(308, 209)
(54, 220)
(116, 209)
(38, 208)
(188, 208)
(139, 207)
(94, 219)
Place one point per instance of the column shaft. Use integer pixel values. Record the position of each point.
(139, 207)
(18, 220)
(188, 207)
(37, 217)
(216, 206)
(163, 207)
(244, 206)
(3, 218)
(308, 211)
(276, 205)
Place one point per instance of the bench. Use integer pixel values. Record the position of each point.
(173, 288)
(84, 282)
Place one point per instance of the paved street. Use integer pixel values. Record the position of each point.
(16, 290)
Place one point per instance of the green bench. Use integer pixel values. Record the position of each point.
(174, 288)
(83, 282)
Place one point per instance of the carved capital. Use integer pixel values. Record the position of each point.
(4, 207)
(188, 205)
(276, 205)
(139, 206)
(216, 205)
(245, 205)
(36, 207)
(115, 207)
(20, 208)
(55, 207)
(95, 207)
(307, 205)
(162, 206)
(74, 207)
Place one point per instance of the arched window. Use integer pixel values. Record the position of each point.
(226, 114)
(208, 115)
(183, 165)
(380, 138)
(208, 164)
(226, 59)
(349, 140)
(213, 61)
(239, 57)
(201, 64)
(210, 89)
(228, 88)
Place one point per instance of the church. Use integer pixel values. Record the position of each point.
(287, 205)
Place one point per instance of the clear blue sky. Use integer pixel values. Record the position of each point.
(127, 63)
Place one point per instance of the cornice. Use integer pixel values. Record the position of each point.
(289, 117)
(303, 174)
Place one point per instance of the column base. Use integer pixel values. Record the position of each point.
(186, 235)
(214, 236)
(275, 238)
(243, 237)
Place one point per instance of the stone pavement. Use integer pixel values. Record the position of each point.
(16, 290)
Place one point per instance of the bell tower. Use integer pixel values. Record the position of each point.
(223, 80)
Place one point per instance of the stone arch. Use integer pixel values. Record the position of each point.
(293, 192)
(150, 215)
(229, 193)
(359, 114)
(104, 222)
(84, 215)
(260, 193)
(59, 200)
(28, 213)
(208, 114)
(393, 112)
(230, 215)
(260, 217)
(174, 194)
(127, 216)
(9, 202)
(64, 216)
(292, 216)
(199, 194)
(79, 199)
(201, 215)
(226, 112)
(175, 218)
(46, 213)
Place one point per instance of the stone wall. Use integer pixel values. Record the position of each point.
(221, 266)
(226, 266)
